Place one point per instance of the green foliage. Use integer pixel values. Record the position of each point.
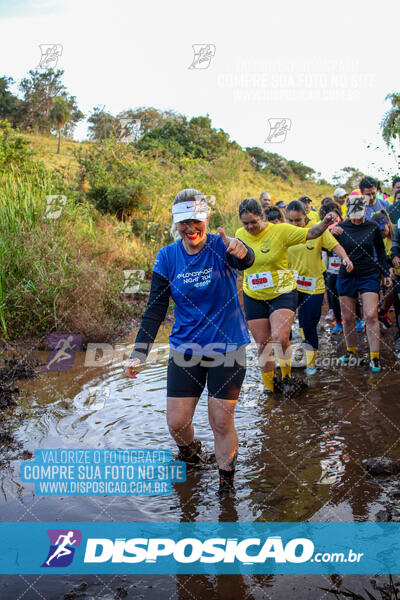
(120, 200)
(103, 125)
(271, 163)
(195, 138)
(301, 171)
(390, 124)
(148, 118)
(348, 178)
(106, 165)
(10, 105)
(60, 115)
(39, 90)
(14, 149)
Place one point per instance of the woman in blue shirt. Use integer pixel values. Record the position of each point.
(209, 335)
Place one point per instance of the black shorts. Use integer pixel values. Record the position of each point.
(350, 285)
(262, 309)
(224, 374)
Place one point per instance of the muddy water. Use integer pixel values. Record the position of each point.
(299, 460)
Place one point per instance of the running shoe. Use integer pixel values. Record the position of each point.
(193, 458)
(375, 365)
(348, 358)
(360, 325)
(397, 347)
(386, 322)
(330, 316)
(311, 370)
(338, 328)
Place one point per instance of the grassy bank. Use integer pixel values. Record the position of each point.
(66, 274)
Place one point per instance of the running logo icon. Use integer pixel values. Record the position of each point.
(63, 348)
(203, 53)
(278, 129)
(50, 55)
(63, 543)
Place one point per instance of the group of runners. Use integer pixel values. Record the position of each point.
(280, 250)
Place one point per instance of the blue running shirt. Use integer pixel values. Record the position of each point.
(208, 316)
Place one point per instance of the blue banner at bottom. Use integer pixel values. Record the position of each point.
(188, 548)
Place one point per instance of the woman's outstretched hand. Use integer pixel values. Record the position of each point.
(233, 245)
(129, 367)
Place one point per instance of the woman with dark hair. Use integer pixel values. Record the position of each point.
(332, 271)
(273, 214)
(306, 261)
(269, 289)
(209, 336)
(362, 240)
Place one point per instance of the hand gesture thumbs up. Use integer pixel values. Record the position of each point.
(233, 245)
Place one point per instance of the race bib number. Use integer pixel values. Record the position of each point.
(259, 281)
(334, 264)
(306, 284)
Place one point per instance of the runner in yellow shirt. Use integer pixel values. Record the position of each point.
(306, 262)
(312, 214)
(387, 231)
(269, 289)
(340, 197)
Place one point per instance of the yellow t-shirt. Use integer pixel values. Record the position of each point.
(269, 275)
(314, 217)
(388, 249)
(307, 261)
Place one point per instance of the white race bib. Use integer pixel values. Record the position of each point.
(259, 281)
(306, 284)
(334, 264)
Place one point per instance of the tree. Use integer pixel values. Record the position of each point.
(390, 124)
(195, 138)
(270, 163)
(141, 120)
(10, 105)
(103, 125)
(60, 115)
(348, 177)
(39, 91)
(301, 171)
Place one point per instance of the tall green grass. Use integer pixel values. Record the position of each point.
(48, 266)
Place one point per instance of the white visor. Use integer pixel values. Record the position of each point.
(197, 210)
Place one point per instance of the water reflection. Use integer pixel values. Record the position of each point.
(299, 459)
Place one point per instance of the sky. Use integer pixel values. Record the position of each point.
(325, 68)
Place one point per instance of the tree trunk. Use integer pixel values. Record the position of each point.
(59, 140)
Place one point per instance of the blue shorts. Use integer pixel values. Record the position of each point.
(262, 309)
(348, 285)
